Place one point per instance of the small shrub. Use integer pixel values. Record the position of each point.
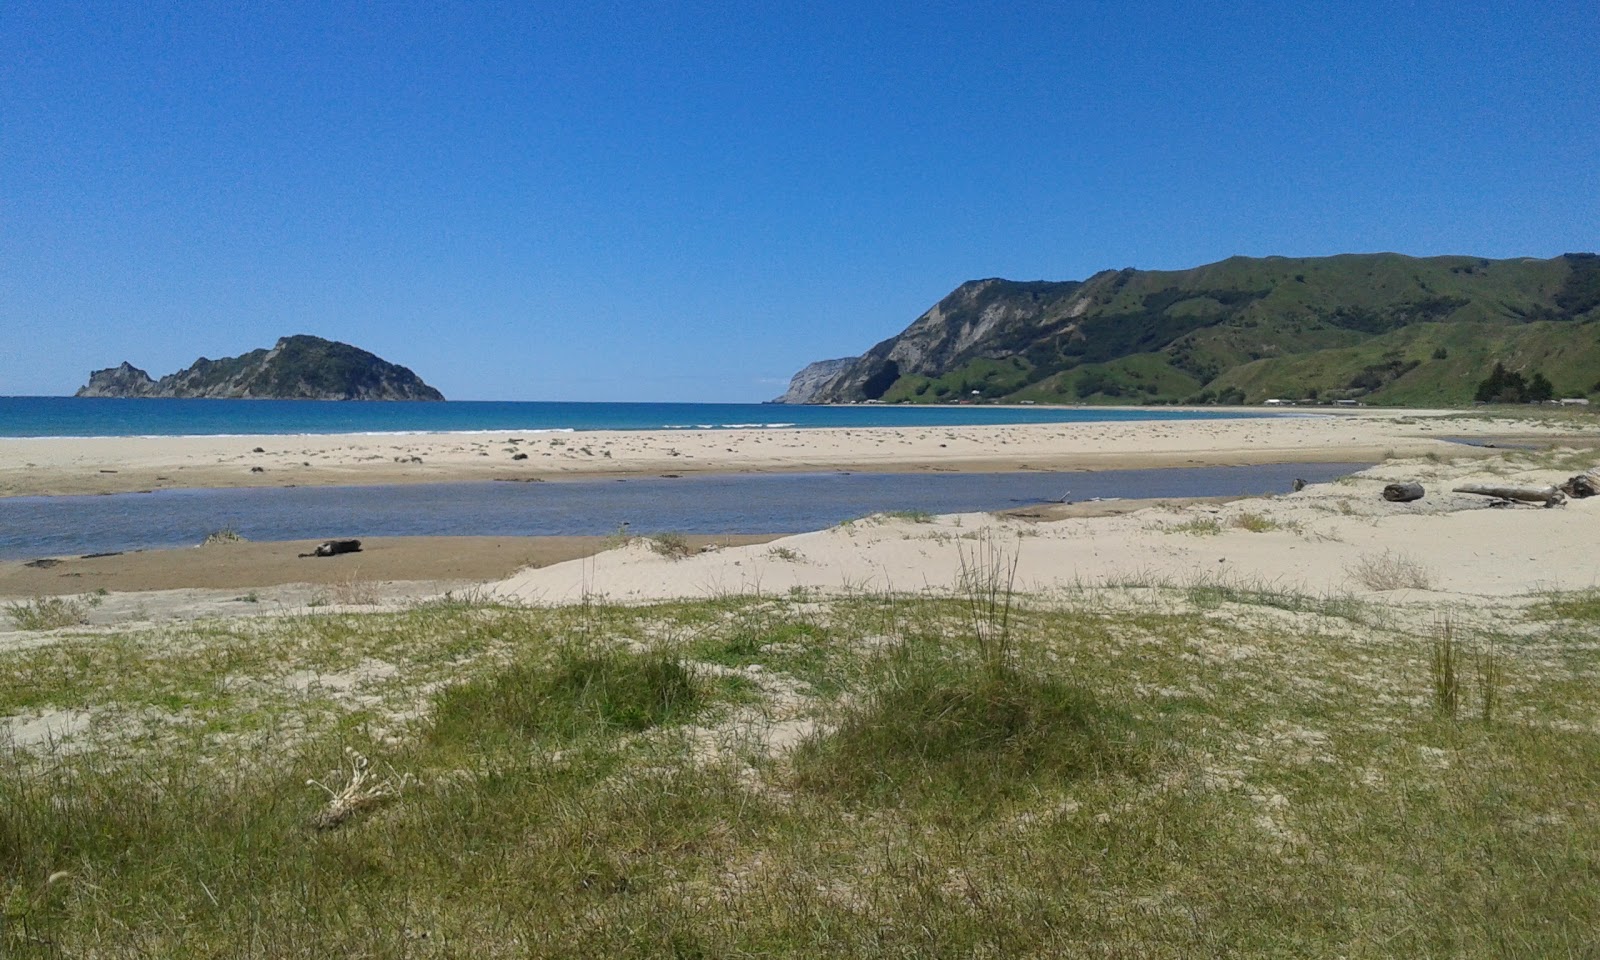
(48, 613)
(224, 535)
(1199, 527)
(785, 554)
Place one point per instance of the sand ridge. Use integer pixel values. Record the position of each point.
(58, 466)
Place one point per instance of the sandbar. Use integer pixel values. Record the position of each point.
(101, 465)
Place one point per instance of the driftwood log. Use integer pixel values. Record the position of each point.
(1581, 486)
(1403, 492)
(1549, 496)
(332, 548)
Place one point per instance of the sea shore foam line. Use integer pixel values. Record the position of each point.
(419, 433)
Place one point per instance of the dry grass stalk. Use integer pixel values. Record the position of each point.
(356, 795)
(1390, 571)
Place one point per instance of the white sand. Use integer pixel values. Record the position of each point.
(118, 464)
(1321, 539)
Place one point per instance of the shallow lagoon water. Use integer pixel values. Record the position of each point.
(738, 503)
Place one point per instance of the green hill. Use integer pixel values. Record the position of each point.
(1383, 328)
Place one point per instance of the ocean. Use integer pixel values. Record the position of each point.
(101, 417)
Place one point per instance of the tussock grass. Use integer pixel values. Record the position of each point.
(1198, 527)
(1256, 522)
(958, 736)
(582, 694)
(223, 535)
(673, 546)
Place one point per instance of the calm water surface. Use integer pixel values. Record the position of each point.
(751, 503)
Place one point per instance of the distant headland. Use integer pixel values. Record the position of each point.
(1358, 328)
(296, 368)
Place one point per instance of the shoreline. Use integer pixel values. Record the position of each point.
(102, 465)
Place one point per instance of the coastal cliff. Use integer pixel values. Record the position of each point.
(295, 368)
(808, 382)
(1380, 328)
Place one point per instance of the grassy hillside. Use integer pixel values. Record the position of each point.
(1383, 328)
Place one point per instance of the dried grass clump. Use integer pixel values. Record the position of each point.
(225, 535)
(1390, 570)
(357, 795)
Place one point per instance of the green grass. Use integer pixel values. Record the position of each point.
(1256, 523)
(1164, 772)
(581, 694)
(1199, 527)
(914, 516)
(1581, 605)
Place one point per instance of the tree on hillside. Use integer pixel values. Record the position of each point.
(1540, 389)
(1506, 386)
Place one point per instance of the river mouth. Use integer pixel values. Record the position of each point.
(694, 504)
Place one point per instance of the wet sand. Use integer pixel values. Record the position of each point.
(245, 565)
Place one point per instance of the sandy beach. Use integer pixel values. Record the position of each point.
(64, 466)
(1328, 539)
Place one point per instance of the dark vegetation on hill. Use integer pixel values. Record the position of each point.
(1380, 328)
(296, 368)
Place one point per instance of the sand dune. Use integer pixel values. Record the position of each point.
(1327, 539)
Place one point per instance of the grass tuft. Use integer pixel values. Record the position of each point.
(1390, 570)
(673, 546)
(48, 613)
(937, 729)
(582, 694)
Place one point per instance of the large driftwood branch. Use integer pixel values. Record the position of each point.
(1549, 496)
(1403, 492)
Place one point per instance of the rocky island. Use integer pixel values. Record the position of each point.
(296, 368)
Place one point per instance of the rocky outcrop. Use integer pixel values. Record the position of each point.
(296, 368)
(126, 380)
(806, 386)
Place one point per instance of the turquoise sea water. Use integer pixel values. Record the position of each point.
(86, 417)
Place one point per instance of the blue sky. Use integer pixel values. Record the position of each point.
(689, 201)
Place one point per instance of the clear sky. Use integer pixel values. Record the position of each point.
(690, 201)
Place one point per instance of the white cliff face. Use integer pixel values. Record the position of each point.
(807, 385)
